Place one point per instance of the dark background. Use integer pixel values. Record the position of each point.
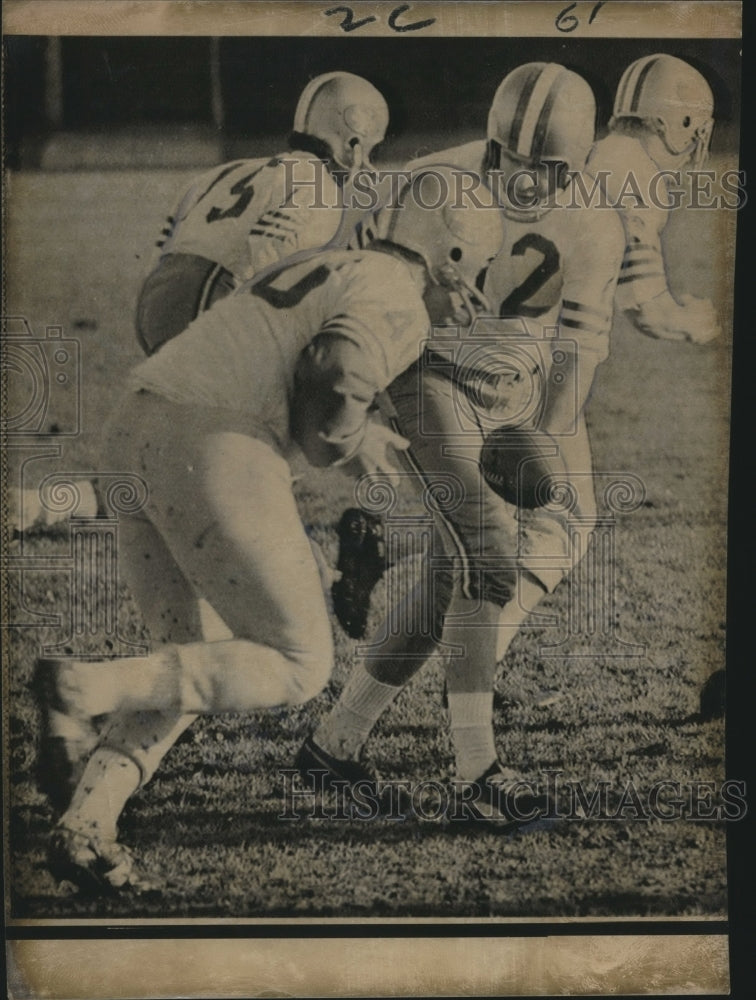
(431, 84)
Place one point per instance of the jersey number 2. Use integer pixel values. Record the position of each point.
(515, 304)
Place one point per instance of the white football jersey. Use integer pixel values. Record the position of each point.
(249, 214)
(561, 269)
(630, 172)
(241, 354)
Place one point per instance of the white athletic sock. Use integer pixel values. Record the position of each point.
(472, 732)
(109, 780)
(345, 729)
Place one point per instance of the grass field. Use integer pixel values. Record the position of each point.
(209, 820)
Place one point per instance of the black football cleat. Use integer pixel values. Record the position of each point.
(495, 801)
(362, 563)
(96, 866)
(314, 763)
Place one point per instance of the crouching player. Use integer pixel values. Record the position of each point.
(292, 361)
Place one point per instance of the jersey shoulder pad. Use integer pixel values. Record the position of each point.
(304, 177)
(622, 156)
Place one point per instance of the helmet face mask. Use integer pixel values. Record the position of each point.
(524, 189)
(463, 301)
(541, 125)
(674, 100)
(696, 152)
(347, 113)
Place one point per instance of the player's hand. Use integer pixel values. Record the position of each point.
(375, 455)
(701, 323)
(691, 319)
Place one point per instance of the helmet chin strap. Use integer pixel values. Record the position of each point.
(471, 296)
(696, 151)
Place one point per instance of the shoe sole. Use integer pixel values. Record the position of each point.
(362, 563)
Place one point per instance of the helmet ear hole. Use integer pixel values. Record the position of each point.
(686, 121)
(455, 254)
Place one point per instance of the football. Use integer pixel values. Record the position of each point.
(522, 465)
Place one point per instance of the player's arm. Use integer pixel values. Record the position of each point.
(643, 292)
(356, 354)
(590, 274)
(196, 191)
(335, 390)
(297, 208)
(565, 400)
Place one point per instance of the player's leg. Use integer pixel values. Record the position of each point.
(132, 744)
(179, 288)
(483, 630)
(534, 548)
(223, 505)
(238, 539)
(493, 593)
(242, 542)
(398, 653)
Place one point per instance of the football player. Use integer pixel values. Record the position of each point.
(292, 361)
(662, 121)
(557, 267)
(241, 217)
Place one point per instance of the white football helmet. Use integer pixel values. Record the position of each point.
(675, 98)
(541, 112)
(455, 237)
(347, 113)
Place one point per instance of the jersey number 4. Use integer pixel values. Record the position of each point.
(516, 303)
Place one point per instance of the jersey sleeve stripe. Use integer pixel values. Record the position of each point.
(270, 235)
(264, 223)
(637, 277)
(580, 308)
(638, 262)
(578, 324)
